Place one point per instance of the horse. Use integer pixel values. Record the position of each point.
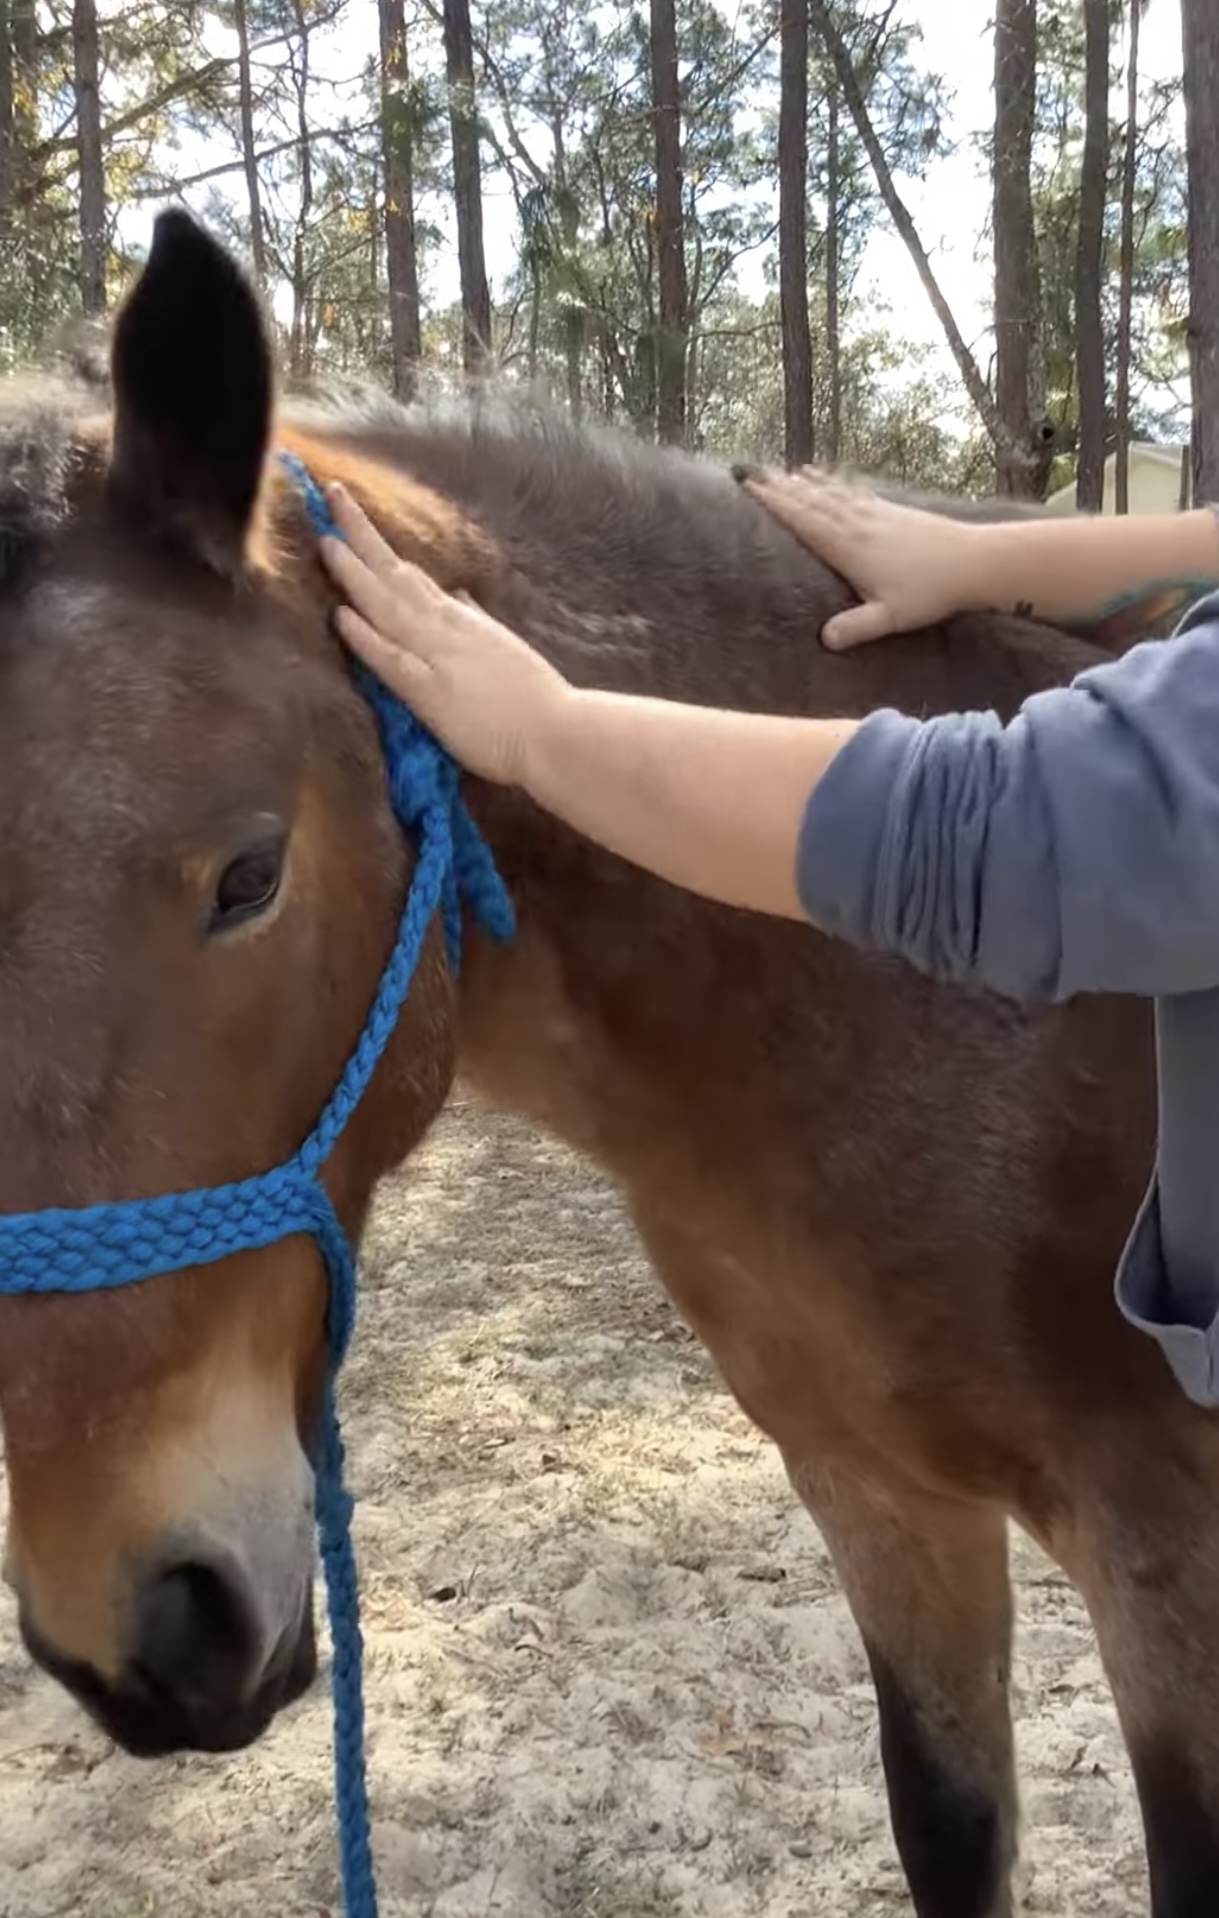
(890, 1210)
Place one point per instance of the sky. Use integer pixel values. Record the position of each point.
(950, 208)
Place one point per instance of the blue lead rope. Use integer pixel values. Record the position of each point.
(95, 1247)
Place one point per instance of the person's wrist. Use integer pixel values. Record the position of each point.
(546, 739)
(979, 567)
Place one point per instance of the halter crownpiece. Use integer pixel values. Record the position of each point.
(91, 1248)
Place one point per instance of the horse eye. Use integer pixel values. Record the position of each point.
(247, 886)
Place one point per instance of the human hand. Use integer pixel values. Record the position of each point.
(485, 694)
(909, 567)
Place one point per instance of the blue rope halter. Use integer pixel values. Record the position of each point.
(99, 1246)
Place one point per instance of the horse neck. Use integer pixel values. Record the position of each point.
(626, 1014)
(654, 576)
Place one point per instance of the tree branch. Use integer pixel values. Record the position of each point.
(900, 215)
(184, 83)
(162, 189)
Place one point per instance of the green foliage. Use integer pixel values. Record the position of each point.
(1159, 354)
(898, 417)
(564, 108)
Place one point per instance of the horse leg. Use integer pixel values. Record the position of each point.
(1143, 1548)
(927, 1582)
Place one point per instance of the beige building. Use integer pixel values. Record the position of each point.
(1159, 481)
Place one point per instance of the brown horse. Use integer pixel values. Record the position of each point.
(891, 1210)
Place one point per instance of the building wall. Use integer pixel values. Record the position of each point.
(1155, 483)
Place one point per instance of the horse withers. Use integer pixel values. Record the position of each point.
(891, 1210)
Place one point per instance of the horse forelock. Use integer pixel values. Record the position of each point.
(38, 426)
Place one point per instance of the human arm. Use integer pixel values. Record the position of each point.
(911, 567)
(710, 800)
(1074, 849)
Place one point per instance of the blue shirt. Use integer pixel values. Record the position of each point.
(1075, 849)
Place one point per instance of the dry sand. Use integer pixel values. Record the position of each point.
(609, 1672)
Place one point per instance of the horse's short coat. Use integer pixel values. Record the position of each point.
(891, 1210)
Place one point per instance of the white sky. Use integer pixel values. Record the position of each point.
(950, 208)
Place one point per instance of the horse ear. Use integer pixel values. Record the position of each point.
(193, 385)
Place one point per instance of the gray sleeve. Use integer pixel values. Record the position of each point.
(1074, 850)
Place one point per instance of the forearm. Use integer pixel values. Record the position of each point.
(711, 801)
(1080, 571)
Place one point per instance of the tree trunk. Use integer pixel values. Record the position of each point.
(575, 318)
(573, 361)
(535, 325)
(467, 186)
(822, 24)
(303, 332)
(1022, 453)
(673, 317)
(249, 157)
(793, 234)
(1089, 262)
(1200, 31)
(23, 58)
(575, 310)
(18, 115)
(8, 133)
(89, 156)
(1125, 294)
(23, 30)
(373, 216)
(23, 43)
(833, 307)
(401, 253)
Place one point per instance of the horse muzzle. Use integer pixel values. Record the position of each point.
(197, 1674)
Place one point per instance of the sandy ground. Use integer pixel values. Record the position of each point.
(609, 1674)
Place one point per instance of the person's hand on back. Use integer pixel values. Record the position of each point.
(910, 568)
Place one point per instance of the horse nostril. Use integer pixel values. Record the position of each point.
(195, 1644)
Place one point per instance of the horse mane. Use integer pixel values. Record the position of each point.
(647, 568)
(632, 564)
